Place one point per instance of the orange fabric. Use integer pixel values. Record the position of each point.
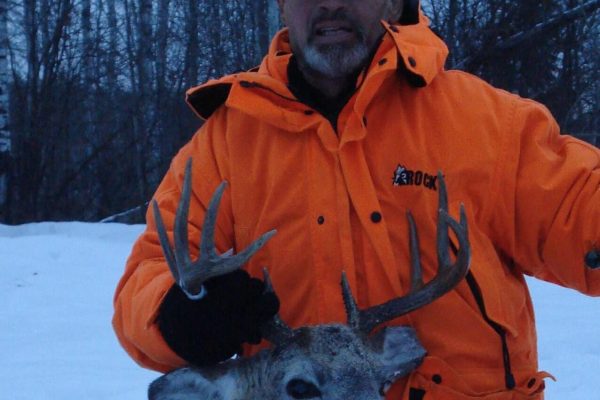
(532, 199)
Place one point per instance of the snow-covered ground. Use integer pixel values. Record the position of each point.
(56, 340)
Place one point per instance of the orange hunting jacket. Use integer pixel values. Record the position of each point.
(338, 201)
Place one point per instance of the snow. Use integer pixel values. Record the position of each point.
(56, 292)
(56, 286)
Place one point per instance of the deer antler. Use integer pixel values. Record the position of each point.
(421, 294)
(275, 331)
(191, 275)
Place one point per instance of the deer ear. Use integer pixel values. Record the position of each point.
(193, 384)
(400, 351)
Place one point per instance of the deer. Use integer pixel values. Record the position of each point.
(330, 361)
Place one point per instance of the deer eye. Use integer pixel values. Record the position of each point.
(300, 389)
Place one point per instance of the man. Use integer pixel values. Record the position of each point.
(340, 131)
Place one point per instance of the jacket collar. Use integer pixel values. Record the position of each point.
(413, 51)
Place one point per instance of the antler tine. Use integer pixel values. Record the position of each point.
(180, 233)
(448, 276)
(416, 272)
(189, 275)
(442, 230)
(228, 262)
(207, 241)
(234, 262)
(181, 254)
(275, 330)
(164, 241)
(351, 308)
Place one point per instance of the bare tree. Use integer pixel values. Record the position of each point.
(5, 139)
(87, 45)
(273, 20)
(94, 84)
(112, 51)
(140, 48)
(38, 117)
(192, 55)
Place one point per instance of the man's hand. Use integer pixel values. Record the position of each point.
(212, 329)
(214, 306)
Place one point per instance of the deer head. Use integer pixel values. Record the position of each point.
(329, 361)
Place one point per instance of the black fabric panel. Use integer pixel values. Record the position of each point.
(592, 259)
(416, 394)
(208, 99)
(410, 15)
(414, 80)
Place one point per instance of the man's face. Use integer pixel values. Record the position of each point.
(335, 37)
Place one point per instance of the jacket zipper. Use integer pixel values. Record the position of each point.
(509, 378)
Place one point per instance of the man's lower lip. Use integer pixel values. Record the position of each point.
(334, 36)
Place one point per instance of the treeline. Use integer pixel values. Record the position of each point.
(93, 89)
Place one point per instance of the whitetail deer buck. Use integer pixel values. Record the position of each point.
(327, 362)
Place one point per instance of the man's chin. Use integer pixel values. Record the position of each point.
(336, 61)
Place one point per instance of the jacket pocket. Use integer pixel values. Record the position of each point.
(503, 292)
(502, 299)
(436, 380)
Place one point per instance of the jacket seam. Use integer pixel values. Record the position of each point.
(576, 142)
(160, 195)
(501, 165)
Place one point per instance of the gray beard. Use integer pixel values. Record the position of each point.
(336, 62)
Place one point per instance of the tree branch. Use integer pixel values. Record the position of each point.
(523, 36)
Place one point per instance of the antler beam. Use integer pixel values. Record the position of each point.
(421, 294)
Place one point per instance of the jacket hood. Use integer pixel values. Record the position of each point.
(411, 50)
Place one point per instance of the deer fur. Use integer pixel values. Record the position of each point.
(337, 361)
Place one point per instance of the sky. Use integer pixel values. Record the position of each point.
(56, 340)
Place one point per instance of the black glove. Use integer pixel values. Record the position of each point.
(212, 329)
